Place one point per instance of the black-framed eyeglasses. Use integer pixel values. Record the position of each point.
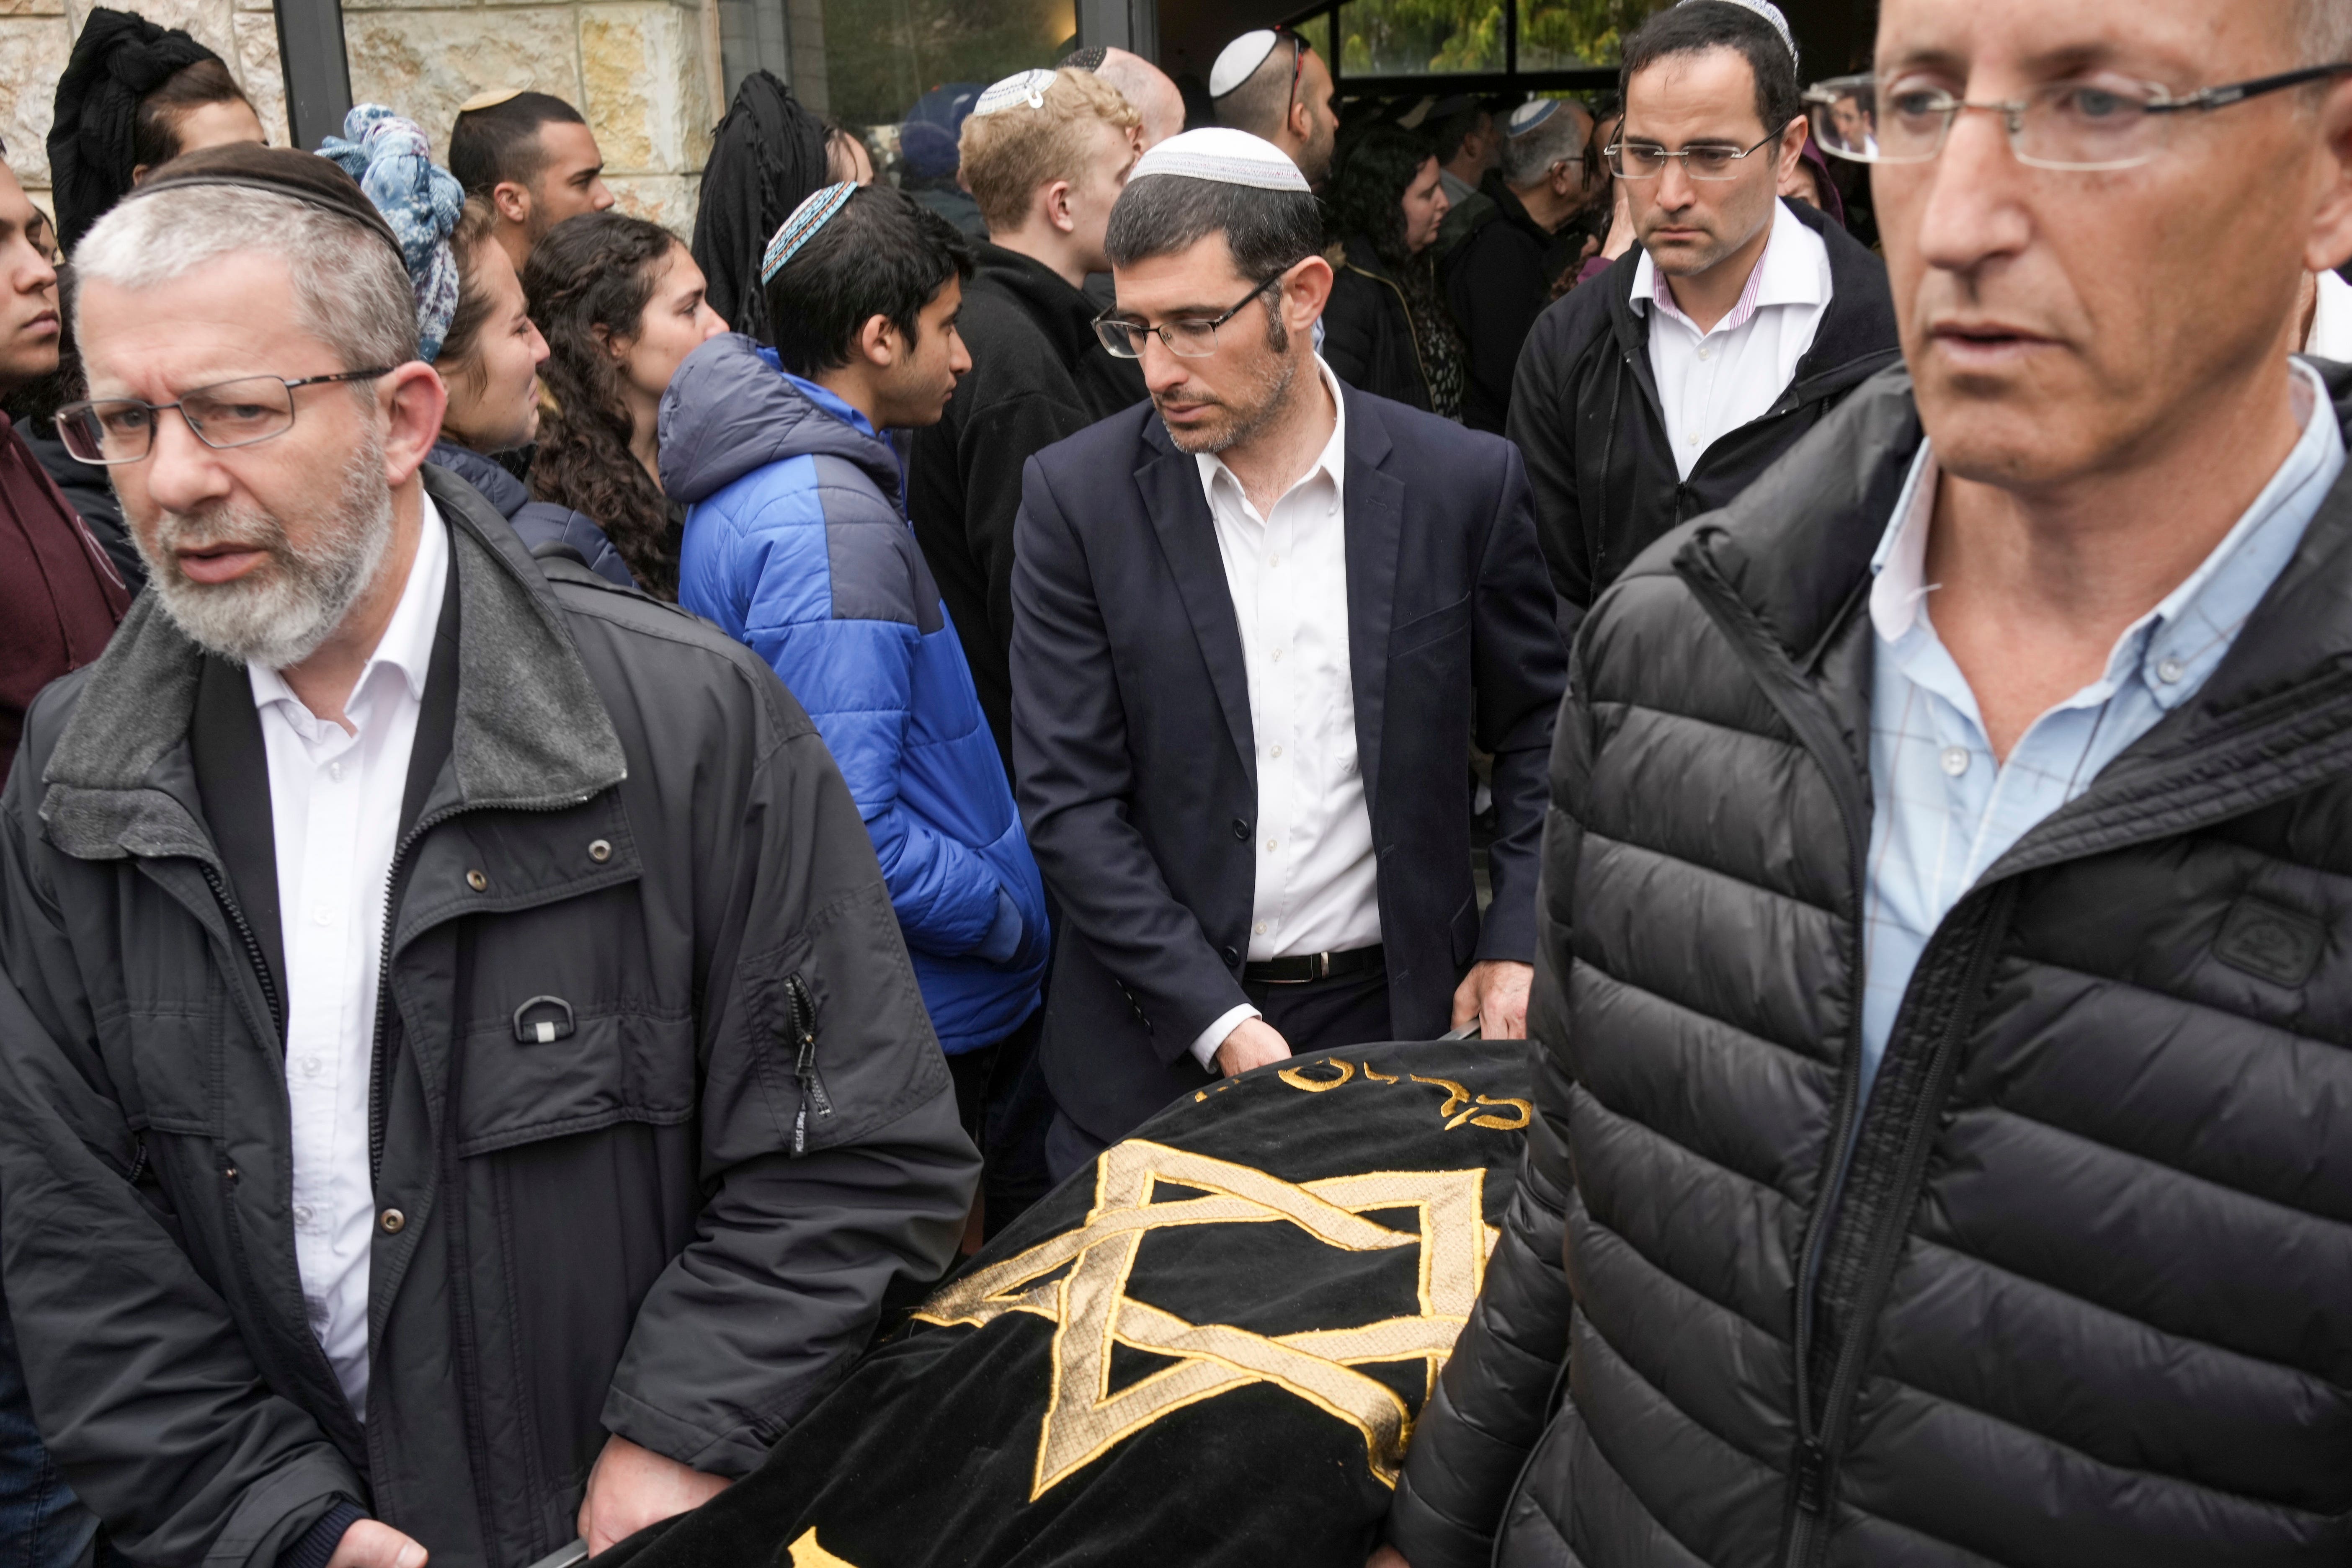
(1186, 339)
(1647, 160)
(2083, 127)
(240, 413)
(1298, 63)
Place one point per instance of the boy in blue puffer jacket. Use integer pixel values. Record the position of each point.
(795, 544)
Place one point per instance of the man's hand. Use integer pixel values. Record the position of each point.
(632, 1488)
(1253, 1044)
(1388, 1557)
(1496, 994)
(369, 1544)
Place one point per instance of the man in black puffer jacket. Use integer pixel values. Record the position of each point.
(1943, 1018)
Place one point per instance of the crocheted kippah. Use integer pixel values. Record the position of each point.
(1532, 113)
(1238, 59)
(1228, 156)
(1022, 86)
(393, 161)
(800, 227)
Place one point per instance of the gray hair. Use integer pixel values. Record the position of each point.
(350, 290)
(2325, 29)
(1160, 214)
(1561, 139)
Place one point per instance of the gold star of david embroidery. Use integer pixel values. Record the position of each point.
(1092, 1310)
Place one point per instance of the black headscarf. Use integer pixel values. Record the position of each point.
(766, 156)
(119, 59)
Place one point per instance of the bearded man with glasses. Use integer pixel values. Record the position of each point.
(1257, 624)
(1661, 388)
(1947, 942)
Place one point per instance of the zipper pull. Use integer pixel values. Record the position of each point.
(1812, 1476)
(803, 1029)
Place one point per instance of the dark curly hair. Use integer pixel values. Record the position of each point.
(598, 270)
(1367, 191)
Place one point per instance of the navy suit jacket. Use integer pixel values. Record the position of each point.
(1132, 744)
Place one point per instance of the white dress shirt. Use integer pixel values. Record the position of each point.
(1287, 573)
(1944, 811)
(1713, 382)
(334, 802)
(2331, 321)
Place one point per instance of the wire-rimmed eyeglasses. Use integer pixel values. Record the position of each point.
(1708, 161)
(240, 413)
(2085, 127)
(1194, 339)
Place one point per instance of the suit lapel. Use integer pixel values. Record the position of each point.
(1171, 483)
(1374, 515)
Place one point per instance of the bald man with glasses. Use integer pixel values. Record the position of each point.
(1942, 985)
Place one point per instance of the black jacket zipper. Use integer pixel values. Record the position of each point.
(803, 1024)
(252, 948)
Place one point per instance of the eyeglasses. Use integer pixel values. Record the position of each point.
(2081, 126)
(1297, 63)
(1185, 339)
(1647, 160)
(240, 413)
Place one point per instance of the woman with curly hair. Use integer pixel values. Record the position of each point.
(1386, 331)
(621, 304)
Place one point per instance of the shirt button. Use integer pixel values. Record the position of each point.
(1278, 655)
(393, 1221)
(323, 916)
(310, 1066)
(335, 772)
(302, 1213)
(1278, 750)
(1704, 352)
(2171, 671)
(1274, 560)
(1259, 927)
(1269, 846)
(1956, 760)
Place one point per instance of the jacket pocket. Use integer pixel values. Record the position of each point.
(1424, 630)
(518, 1084)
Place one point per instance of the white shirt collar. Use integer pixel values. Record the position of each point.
(406, 645)
(1789, 272)
(1900, 565)
(2331, 321)
(1333, 461)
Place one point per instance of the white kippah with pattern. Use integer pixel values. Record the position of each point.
(1022, 86)
(1238, 59)
(1228, 156)
(1532, 113)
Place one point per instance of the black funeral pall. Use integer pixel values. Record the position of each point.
(1210, 1349)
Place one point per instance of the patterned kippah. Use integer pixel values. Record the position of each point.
(1532, 113)
(1239, 60)
(1228, 156)
(1022, 86)
(800, 227)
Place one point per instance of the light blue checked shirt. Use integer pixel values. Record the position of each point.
(1943, 811)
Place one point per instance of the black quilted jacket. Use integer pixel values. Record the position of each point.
(2087, 1296)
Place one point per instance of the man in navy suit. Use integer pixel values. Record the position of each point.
(1259, 625)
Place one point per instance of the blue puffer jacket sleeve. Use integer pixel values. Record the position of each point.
(852, 662)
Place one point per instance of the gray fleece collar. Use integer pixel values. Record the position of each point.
(531, 732)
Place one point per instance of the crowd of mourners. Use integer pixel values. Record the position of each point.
(585, 812)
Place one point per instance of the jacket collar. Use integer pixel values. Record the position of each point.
(1856, 338)
(1063, 314)
(1512, 210)
(530, 731)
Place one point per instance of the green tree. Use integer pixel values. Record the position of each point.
(1399, 38)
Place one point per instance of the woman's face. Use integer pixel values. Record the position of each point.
(223, 125)
(677, 321)
(494, 391)
(1425, 207)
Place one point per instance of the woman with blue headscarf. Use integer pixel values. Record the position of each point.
(471, 325)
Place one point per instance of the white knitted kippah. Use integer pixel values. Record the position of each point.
(1238, 59)
(1220, 154)
(1532, 113)
(1770, 13)
(1022, 86)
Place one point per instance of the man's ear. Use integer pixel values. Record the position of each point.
(2330, 241)
(1304, 293)
(1055, 197)
(1792, 148)
(415, 401)
(877, 342)
(512, 198)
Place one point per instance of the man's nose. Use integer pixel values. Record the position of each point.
(181, 473)
(1161, 369)
(1973, 210)
(1675, 189)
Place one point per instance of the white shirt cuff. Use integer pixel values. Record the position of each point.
(1204, 1049)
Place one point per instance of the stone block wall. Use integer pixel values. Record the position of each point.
(643, 72)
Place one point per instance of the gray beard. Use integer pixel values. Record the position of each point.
(279, 616)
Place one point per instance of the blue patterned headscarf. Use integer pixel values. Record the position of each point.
(393, 161)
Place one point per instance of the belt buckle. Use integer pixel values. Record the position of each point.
(1320, 965)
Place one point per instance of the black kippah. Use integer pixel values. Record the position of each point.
(1085, 59)
(280, 170)
(119, 59)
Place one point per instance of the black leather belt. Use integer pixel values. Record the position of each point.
(1312, 966)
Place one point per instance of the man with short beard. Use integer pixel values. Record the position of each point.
(1258, 625)
(467, 1088)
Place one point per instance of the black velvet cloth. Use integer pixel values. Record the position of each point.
(766, 157)
(1323, 1224)
(119, 59)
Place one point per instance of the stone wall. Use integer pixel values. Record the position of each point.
(645, 72)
